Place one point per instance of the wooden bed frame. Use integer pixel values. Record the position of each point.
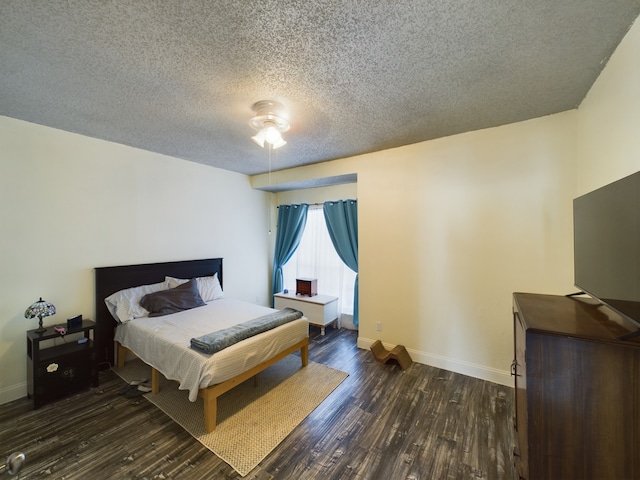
(112, 279)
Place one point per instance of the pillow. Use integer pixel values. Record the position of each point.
(165, 302)
(208, 287)
(124, 305)
(174, 282)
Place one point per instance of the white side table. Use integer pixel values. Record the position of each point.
(320, 310)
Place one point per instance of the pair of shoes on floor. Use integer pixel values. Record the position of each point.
(138, 391)
(135, 388)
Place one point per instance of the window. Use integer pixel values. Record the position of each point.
(316, 258)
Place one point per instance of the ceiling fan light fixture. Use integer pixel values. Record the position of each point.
(270, 121)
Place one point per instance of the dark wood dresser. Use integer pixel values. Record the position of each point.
(577, 390)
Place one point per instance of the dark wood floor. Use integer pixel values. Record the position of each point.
(381, 423)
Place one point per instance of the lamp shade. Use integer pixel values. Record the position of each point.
(40, 309)
(269, 134)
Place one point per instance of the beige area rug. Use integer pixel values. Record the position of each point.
(252, 420)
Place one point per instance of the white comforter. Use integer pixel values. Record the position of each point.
(163, 342)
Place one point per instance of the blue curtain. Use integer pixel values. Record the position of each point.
(342, 223)
(291, 222)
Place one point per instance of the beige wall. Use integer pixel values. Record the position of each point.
(451, 228)
(70, 203)
(609, 119)
(318, 195)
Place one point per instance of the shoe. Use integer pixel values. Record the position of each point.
(137, 391)
(132, 385)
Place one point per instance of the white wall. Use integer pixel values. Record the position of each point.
(449, 229)
(609, 119)
(318, 195)
(70, 203)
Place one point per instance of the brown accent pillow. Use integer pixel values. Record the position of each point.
(165, 302)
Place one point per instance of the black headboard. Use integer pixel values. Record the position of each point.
(112, 279)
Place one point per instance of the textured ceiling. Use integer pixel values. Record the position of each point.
(179, 77)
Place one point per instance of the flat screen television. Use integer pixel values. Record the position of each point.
(606, 226)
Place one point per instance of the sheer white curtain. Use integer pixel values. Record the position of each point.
(316, 258)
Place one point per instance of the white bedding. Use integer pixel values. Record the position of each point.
(163, 342)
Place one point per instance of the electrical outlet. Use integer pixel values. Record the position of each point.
(379, 326)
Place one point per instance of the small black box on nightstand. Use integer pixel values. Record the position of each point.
(74, 321)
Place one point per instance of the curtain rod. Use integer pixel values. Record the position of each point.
(310, 204)
(321, 204)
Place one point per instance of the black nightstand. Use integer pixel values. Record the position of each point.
(56, 371)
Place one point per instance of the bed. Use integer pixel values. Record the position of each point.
(224, 369)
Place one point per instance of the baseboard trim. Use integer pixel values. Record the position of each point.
(13, 392)
(501, 377)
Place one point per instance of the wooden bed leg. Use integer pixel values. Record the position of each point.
(210, 412)
(155, 381)
(304, 355)
(122, 356)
